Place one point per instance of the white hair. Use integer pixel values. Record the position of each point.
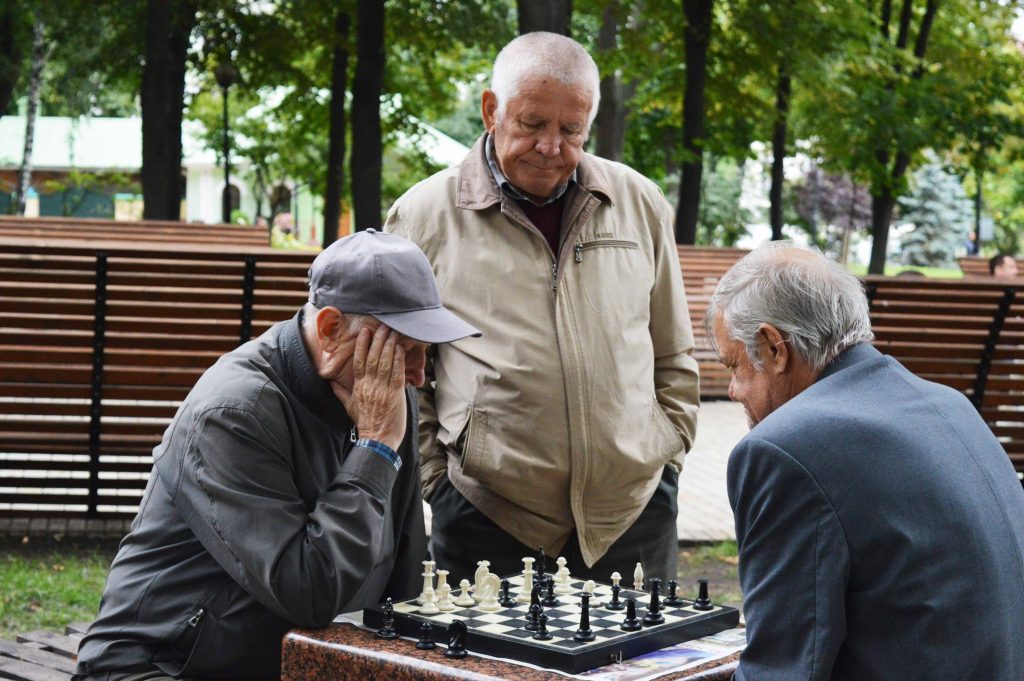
(816, 302)
(544, 55)
(353, 322)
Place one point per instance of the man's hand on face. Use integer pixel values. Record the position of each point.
(378, 390)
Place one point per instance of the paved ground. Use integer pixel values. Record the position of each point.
(704, 513)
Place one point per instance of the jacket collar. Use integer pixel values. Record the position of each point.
(477, 188)
(862, 352)
(304, 382)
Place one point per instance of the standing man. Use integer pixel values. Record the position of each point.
(286, 489)
(565, 427)
(880, 524)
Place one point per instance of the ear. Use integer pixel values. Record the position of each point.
(329, 323)
(774, 351)
(489, 110)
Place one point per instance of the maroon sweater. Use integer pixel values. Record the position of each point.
(547, 219)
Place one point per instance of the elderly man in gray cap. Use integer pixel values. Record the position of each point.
(286, 489)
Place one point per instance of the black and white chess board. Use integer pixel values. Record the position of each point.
(503, 633)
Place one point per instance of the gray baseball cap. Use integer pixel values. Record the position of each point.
(388, 278)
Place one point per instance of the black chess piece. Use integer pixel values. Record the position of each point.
(387, 630)
(674, 600)
(426, 641)
(533, 617)
(584, 633)
(654, 615)
(456, 640)
(534, 599)
(702, 602)
(542, 633)
(538, 576)
(505, 598)
(615, 603)
(550, 599)
(631, 622)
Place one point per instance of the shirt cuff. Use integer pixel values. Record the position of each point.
(381, 449)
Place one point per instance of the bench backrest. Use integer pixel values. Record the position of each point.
(178, 234)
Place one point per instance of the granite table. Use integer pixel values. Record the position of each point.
(342, 651)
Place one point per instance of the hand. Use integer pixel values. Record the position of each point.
(378, 390)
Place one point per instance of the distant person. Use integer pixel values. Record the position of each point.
(566, 425)
(1003, 266)
(880, 524)
(973, 247)
(282, 235)
(287, 488)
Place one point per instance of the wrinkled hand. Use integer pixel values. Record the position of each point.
(378, 390)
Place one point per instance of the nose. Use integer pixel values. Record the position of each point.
(549, 143)
(415, 365)
(732, 390)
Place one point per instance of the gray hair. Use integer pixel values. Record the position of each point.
(545, 55)
(816, 302)
(354, 322)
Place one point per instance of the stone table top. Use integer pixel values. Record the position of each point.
(342, 651)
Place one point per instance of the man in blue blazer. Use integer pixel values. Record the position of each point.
(880, 524)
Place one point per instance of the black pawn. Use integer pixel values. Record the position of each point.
(631, 623)
(456, 640)
(702, 602)
(542, 633)
(534, 600)
(673, 600)
(550, 600)
(426, 642)
(584, 633)
(533, 617)
(387, 630)
(615, 603)
(654, 615)
(504, 596)
(538, 577)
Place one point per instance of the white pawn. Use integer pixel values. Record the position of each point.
(638, 578)
(444, 601)
(616, 578)
(527, 587)
(562, 578)
(464, 600)
(429, 606)
(589, 586)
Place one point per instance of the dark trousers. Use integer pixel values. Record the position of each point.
(460, 535)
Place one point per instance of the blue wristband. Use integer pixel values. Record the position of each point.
(382, 449)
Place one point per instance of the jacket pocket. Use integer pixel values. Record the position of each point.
(474, 447)
(582, 247)
(670, 442)
(180, 651)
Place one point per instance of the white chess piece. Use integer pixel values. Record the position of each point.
(638, 578)
(563, 582)
(444, 601)
(442, 581)
(428, 582)
(464, 600)
(616, 578)
(527, 587)
(589, 586)
(429, 607)
(481, 571)
(487, 592)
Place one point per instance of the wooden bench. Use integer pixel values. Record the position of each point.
(41, 655)
(702, 268)
(966, 334)
(180, 234)
(98, 346)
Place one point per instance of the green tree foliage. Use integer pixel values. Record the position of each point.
(722, 220)
(941, 215)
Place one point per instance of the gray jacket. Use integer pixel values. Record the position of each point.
(260, 515)
(881, 534)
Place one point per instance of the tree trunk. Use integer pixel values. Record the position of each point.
(554, 16)
(11, 20)
(367, 149)
(336, 134)
(698, 36)
(782, 91)
(883, 199)
(610, 122)
(34, 79)
(168, 25)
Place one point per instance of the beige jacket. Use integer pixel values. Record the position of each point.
(583, 386)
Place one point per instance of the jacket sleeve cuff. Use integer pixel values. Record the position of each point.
(367, 465)
(381, 449)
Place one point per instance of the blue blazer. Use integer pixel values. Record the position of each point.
(881, 534)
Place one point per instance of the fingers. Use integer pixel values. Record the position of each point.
(373, 355)
(359, 358)
(387, 356)
(398, 369)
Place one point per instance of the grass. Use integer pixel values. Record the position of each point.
(47, 584)
(894, 270)
(719, 564)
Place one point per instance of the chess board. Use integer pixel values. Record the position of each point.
(502, 633)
